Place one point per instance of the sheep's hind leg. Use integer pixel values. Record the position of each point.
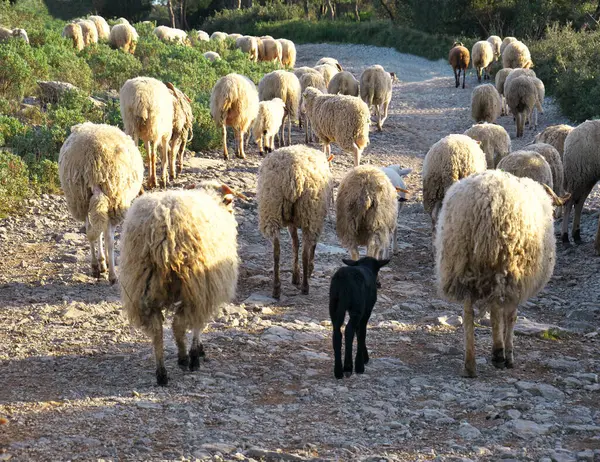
(357, 153)
(225, 154)
(196, 351)
(577, 215)
(498, 329)
(295, 249)
(306, 258)
(179, 329)
(96, 270)
(457, 77)
(276, 280)
(349, 337)
(337, 320)
(469, 326)
(565, 222)
(109, 235)
(156, 331)
(510, 318)
(362, 356)
(385, 113)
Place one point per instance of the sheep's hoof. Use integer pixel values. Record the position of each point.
(347, 374)
(96, 271)
(565, 240)
(261, 153)
(304, 289)
(359, 368)
(457, 85)
(196, 353)
(469, 371)
(295, 278)
(577, 237)
(498, 359)
(162, 378)
(509, 363)
(378, 283)
(365, 356)
(338, 372)
(112, 280)
(277, 291)
(183, 362)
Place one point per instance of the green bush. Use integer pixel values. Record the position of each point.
(9, 128)
(44, 177)
(111, 68)
(14, 183)
(15, 74)
(239, 20)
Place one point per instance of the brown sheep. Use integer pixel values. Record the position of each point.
(459, 59)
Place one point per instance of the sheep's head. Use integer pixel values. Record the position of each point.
(457, 44)
(221, 189)
(393, 76)
(310, 93)
(21, 33)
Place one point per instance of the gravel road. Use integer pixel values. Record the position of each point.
(76, 383)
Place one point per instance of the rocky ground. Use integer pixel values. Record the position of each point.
(77, 383)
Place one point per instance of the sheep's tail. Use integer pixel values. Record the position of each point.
(227, 103)
(97, 213)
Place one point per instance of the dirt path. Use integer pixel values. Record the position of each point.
(77, 383)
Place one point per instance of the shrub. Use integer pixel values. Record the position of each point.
(14, 183)
(15, 75)
(9, 128)
(111, 68)
(44, 177)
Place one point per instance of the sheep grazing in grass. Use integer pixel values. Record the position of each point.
(328, 71)
(89, 32)
(521, 97)
(527, 164)
(171, 35)
(6, 34)
(315, 80)
(286, 86)
(202, 36)
(366, 211)
(482, 56)
(507, 41)
(581, 162)
(267, 123)
(459, 59)
(486, 103)
(494, 139)
(101, 171)
(101, 26)
(506, 224)
(293, 191)
(183, 120)
(218, 36)
(353, 290)
(147, 112)
(212, 56)
(395, 173)
(552, 156)
(123, 36)
(234, 103)
(73, 31)
(340, 119)
(555, 135)
(376, 90)
(500, 82)
(121, 21)
(288, 53)
(496, 43)
(450, 159)
(515, 55)
(343, 83)
(248, 45)
(331, 61)
(270, 50)
(179, 253)
(234, 36)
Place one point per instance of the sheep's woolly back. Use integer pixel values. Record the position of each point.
(183, 119)
(300, 71)
(338, 118)
(288, 52)
(581, 159)
(552, 156)
(294, 187)
(89, 32)
(99, 156)
(284, 85)
(123, 36)
(496, 43)
(325, 60)
(269, 118)
(343, 83)
(218, 36)
(234, 36)
(375, 86)
(495, 240)
(366, 207)
(527, 164)
(507, 41)
(450, 159)
(486, 104)
(494, 139)
(169, 34)
(73, 31)
(212, 56)
(312, 79)
(234, 102)
(459, 57)
(515, 55)
(555, 135)
(147, 109)
(327, 71)
(501, 77)
(101, 26)
(270, 50)
(519, 72)
(203, 36)
(482, 54)
(5, 33)
(249, 45)
(521, 95)
(178, 245)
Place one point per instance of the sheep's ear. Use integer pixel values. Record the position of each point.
(141, 191)
(228, 202)
(170, 87)
(349, 262)
(402, 190)
(228, 191)
(556, 201)
(190, 186)
(339, 66)
(330, 158)
(382, 263)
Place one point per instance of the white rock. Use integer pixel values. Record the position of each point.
(468, 432)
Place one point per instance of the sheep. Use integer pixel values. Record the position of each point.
(300, 71)
(267, 123)
(328, 71)
(121, 21)
(486, 103)
(89, 32)
(343, 83)
(494, 139)
(338, 118)
(315, 80)
(515, 55)
(101, 26)
(147, 112)
(496, 43)
(183, 120)
(123, 36)
(179, 252)
(541, 94)
(218, 36)
(395, 174)
(581, 162)
(514, 73)
(284, 85)
(288, 53)
(376, 90)
(212, 56)
(234, 36)
(555, 135)
(202, 36)
(450, 159)
(496, 248)
(248, 44)
(270, 50)
(507, 41)
(293, 190)
(73, 31)
(6, 34)
(234, 103)
(266, 37)
(101, 171)
(521, 97)
(527, 164)
(366, 211)
(331, 61)
(482, 56)
(169, 34)
(500, 82)
(459, 59)
(552, 156)
(354, 290)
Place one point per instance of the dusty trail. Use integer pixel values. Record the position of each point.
(77, 383)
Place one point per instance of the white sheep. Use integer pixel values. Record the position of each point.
(315, 80)
(521, 97)
(515, 55)
(73, 31)
(183, 121)
(366, 211)
(123, 36)
(267, 123)
(293, 191)
(89, 32)
(249, 45)
(552, 156)
(338, 118)
(286, 86)
(218, 36)
(331, 61)
(494, 139)
(234, 36)
(496, 43)
(495, 247)
(376, 90)
(202, 36)
(6, 34)
(234, 103)
(527, 164)
(343, 83)
(171, 35)
(212, 56)
(328, 71)
(101, 171)
(147, 112)
(395, 173)
(486, 103)
(101, 26)
(300, 71)
(269, 50)
(482, 55)
(500, 81)
(179, 252)
(288, 53)
(555, 135)
(507, 41)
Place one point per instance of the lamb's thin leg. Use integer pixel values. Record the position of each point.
(577, 215)
(151, 181)
(157, 341)
(305, 131)
(179, 329)
(385, 112)
(101, 253)
(96, 270)
(295, 249)
(362, 356)
(180, 155)
(565, 222)
(337, 320)
(469, 326)
(497, 317)
(349, 338)
(357, 152)
(196, 351)
(510, 318)
(306, 254)
(109, 235)
(225, 154)
(276, 281)
(289, 120)
(457, 77)
(378, 113)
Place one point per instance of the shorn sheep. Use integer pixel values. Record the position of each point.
(482, 56)
(183, 120)
(515, 55)
(234, 103)
(179, 253)
(500, 81)
(459, 59)
(343, 83)
(89, 32)
(494, 139)
(366, 211)
(315, 80)
(147, 112)
(6, 34)
(73, 31)
(101, 171)
(286, 86)
(376, 90)
(506, 224)
(555, 135)
(353, 290)
(507, 41)
(101, 26)
(521, 97)
(486, 103)
(267, 123)
(395, 173)
(249, 45)
(338, 118)
(123, 36)
(527, 164)
(450, 159)
(293, 191)
(496, 43)
(582, 171)
(288, 53)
